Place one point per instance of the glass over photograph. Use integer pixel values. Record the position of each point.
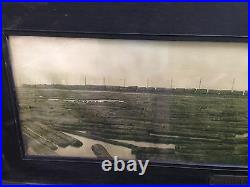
(164, 101)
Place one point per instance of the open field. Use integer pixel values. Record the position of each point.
(193, 128)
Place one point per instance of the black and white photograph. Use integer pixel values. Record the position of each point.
(156, 100)
(125, 93)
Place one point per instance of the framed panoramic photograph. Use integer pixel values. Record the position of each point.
(172, 98)
(100, 98)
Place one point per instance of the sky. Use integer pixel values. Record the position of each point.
(58, 60)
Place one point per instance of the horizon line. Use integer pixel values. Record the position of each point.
(244, 90)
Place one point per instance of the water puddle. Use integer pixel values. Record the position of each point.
(241, 135)
(83, 131)
(94, 101)
(163, 135)
(147, 144)
(172, 136)
(53, 99)
(86, 151)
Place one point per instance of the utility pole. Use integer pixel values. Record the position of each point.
(124, 82)
(200, 84)
(233, 82)
(147, 84)
(85, 80)
(104, 81)
(171, 83)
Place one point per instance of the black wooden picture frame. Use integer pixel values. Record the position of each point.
(216, 22)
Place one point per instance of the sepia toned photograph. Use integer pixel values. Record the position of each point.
(163, 101)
